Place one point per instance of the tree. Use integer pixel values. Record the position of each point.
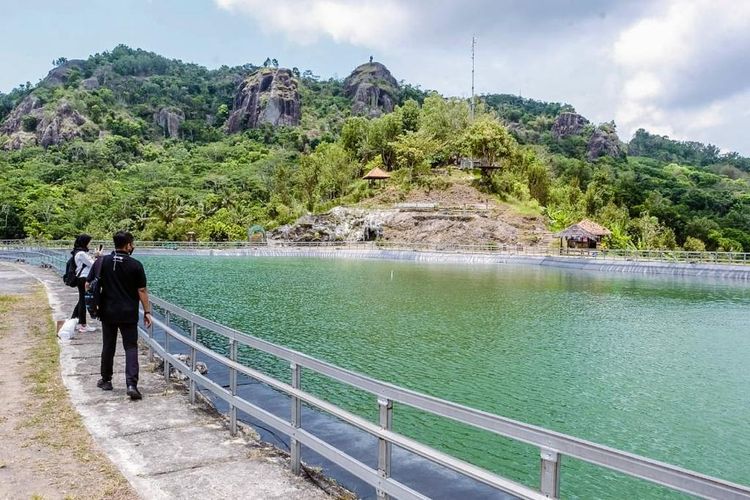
(694, 245)
(267, 62)
(59, 61)
(650, 234)
(325, 174)
(413, 150)
(489, 141)
(274, 63)
(222, 113)
(445, 121)
(354, 136)
(409, 113)
(380, 136)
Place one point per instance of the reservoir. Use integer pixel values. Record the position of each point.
(658, 366)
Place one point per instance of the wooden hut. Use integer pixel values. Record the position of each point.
(376, 174)
(584, 234)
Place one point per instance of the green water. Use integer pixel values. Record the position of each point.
(654, 366)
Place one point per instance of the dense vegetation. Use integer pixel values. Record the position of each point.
(664, 194)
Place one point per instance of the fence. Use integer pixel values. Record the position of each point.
(552, 445)
(672, 256)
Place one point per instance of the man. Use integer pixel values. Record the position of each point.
(123, 282)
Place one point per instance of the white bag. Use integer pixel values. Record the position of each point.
(68, 329)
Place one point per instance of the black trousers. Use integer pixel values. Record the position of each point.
(129, 332)
(80, 309)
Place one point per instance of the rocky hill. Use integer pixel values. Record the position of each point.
(131, 139)
(268, 96)
(372, 89)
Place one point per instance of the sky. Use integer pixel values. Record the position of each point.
(674, 67)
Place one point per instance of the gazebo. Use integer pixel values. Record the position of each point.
(584, 234)
(376, 174)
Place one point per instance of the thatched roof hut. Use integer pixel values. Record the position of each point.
(584, 234)
(377, 174)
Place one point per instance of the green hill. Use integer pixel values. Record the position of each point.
(130, 139)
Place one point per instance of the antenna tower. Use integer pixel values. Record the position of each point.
(471, 106)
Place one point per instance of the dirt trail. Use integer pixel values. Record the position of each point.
(46, 452)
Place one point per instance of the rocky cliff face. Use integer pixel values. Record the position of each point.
(170, 119)
(30, 124)
(372, 89)
(604, 142)
(267, 96)
(568, 124)
(60, 75)
(339, 224)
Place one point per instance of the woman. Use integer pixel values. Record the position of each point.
(83, 261)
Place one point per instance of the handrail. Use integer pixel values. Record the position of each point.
(672, 256)
(552, 444)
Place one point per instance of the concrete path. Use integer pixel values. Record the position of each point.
(163, 445)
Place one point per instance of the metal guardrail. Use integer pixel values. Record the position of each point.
(671, 256)
(552, 445)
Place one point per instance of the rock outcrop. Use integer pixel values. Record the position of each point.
(61, 74)
(339, 224)
(268, 96)
(31, 106)
(604, 142)
(438, 216)
(568, 124)
(372, 89)
(30, 124)
(170, 120)
(90, 83)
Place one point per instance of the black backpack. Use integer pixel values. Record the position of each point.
(93, 296)
(70, 278)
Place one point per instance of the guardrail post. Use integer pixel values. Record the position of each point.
(233, 388)
(193, 354)
(167, 322)
(384, 446)
(150, 332)
(550, 473)
(294, 445)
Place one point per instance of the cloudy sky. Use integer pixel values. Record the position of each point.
(675, 67)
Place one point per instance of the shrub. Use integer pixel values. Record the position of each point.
(694, 245)
(29, 123)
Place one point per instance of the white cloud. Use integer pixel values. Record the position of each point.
(683, 66)
(368, 23)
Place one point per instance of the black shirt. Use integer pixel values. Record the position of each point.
(121, 277)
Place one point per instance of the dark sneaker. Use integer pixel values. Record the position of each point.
(134, 393)
(104, 385)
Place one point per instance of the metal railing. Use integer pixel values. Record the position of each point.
(670, 256)
(552, 445)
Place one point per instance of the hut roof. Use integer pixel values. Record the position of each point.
(594, 228)
(584, 229)
(377, 173)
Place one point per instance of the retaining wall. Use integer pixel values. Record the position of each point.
(591, 264)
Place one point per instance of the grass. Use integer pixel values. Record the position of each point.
(52, 423)
(530, 208)
(6, 302)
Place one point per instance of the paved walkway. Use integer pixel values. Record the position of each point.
(163, 445)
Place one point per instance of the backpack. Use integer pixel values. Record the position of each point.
(70, 277)
(93, 296)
